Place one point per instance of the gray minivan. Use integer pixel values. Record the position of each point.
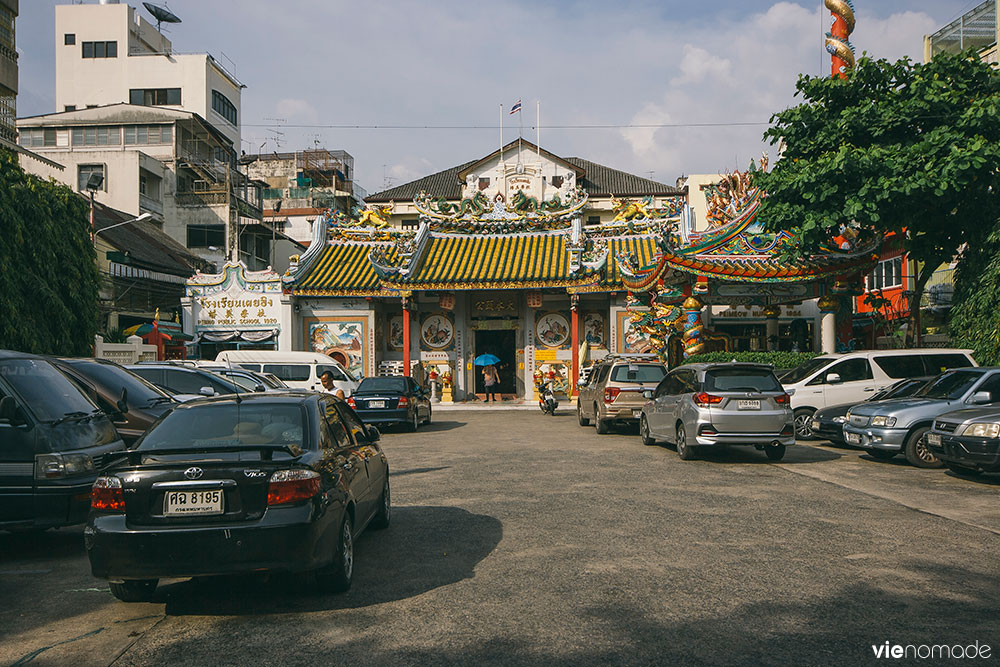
(53, 442)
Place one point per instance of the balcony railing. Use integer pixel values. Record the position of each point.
(149, 204)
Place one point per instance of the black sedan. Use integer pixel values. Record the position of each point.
(107, 384)
(828, 423)
(239, 484)
(967, 441)
(391, 399)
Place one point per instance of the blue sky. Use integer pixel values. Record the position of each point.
(451, 62)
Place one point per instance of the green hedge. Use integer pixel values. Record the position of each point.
(778, 359)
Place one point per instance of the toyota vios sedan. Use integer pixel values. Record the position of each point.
(967, 441)
(704, 405)
(886, 428)
(239, 484)
(391, 399)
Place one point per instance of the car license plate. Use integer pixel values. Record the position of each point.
(934, 439)
(376, 404)
(852, 438)
(637, 413)
(179, 503)
(748, 405)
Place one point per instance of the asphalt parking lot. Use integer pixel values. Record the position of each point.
(520, 538)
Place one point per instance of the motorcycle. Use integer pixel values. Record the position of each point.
(546, 398)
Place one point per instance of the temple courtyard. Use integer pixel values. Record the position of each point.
(520, 538)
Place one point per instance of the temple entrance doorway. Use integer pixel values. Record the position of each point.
(503, 344)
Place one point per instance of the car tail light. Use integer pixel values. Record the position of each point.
(403, 402)
(788, 430)
(783, 399)
(704, 399)
(350, 401)
(707, 430)
(292, 486)
(107, 495)
(611, 393)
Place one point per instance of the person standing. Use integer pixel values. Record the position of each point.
(490, 380)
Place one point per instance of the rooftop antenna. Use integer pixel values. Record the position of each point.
(161, 14)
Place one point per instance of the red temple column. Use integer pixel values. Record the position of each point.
(575, 333)
(406, 338)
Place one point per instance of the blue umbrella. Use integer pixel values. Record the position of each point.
(487, 359)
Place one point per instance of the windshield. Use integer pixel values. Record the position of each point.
(638, 373)
(338, 373)
(741, 379)
(950, 386)
(804, 370)
(245, 383)
(45, 391)
(272, 381)
(227, 425)
(901, 389)
(383, 384)
(115, 378)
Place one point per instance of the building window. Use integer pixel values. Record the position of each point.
(557, 181)
(410, 223)
(152, 97)
(38, 137)
(148, 134)
(97, 136)
(204, 236)
(84, 172)
(887, 274)
(224, 107)
(69, 39)
(99, 49)
(594, 220)
(484, 183)
(69, 107)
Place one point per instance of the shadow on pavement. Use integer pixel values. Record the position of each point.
(424, 548)
(436, 426)
(797, 454)
(416, 471)
(986, 479)
(48, 545)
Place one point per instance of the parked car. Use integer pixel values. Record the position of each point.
(185, 380)
(391, 399)
(107, 383)
(706, 405)
(887, 428)
(834, 379)
(828, 423)
(613, 391)
(53, 442)
(247, 380)
(229, 485)
(299, 370)
(968, 440)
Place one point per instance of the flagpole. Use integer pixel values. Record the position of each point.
(501, 133)
(538, 128)
(520, 131)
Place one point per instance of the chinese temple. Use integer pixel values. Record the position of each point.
(548, 263)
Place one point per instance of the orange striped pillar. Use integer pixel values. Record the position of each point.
(406, 338)
(575, 333)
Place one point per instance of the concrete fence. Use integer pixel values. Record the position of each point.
(130, 352)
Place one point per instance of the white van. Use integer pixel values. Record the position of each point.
(835, 379)
(299, 370)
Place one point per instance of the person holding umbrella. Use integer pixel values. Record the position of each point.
(491, 378)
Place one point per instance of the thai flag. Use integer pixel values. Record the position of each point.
(517, 107)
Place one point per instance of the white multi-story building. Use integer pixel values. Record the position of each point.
(108, 54)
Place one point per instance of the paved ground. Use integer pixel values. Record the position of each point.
(520, 538)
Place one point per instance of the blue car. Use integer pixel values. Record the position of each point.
(391, 399)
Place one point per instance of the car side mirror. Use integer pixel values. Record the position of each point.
(981, 398)
(832, 378)
(122, 403)
(259, 387)
(648, 394)
(8, 410)
(790, 392)
(373, 434)
(206, 391)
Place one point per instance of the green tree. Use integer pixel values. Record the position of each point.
(48, 272)
(897, 147)
(975, 316)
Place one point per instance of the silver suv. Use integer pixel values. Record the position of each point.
(613, 391)
(703, 405)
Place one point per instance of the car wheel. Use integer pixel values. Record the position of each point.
(803, 423)
(336, 577)
(579, 415)
(684, 450)
(881, 454)
(135, 590)
(917, 453)
(774, 452)
(381, 519)
(962, 470)
(414, 423)
(647, 439)
(428, 420)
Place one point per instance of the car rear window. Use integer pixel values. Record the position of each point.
(638, 373)
(939, 363)
(741, 379)
(901, 365)
(338, 374)
(286, 372)
(383, 384)
(227, 425)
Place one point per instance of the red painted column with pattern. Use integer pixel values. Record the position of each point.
(406, 338)
(575, 332)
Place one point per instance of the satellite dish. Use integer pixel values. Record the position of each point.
(161, 14)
